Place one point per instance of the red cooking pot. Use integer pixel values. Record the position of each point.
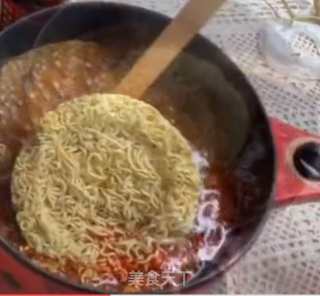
(262, 162)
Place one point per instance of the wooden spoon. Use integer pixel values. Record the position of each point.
(167, 46)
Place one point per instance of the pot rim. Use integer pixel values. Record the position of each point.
(194, 284)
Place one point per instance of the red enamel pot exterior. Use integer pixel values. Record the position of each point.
(291, 185)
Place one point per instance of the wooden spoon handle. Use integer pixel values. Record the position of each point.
(167, 46)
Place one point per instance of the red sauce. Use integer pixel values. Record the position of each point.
(185, 255)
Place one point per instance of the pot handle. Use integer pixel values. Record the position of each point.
(298, 154)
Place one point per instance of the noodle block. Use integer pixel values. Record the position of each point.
(106, 174)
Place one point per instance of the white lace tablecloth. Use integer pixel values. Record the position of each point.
(286, 256)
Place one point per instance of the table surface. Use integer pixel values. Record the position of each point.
(285, 258)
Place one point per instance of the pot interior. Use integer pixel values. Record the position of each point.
(206, 96)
